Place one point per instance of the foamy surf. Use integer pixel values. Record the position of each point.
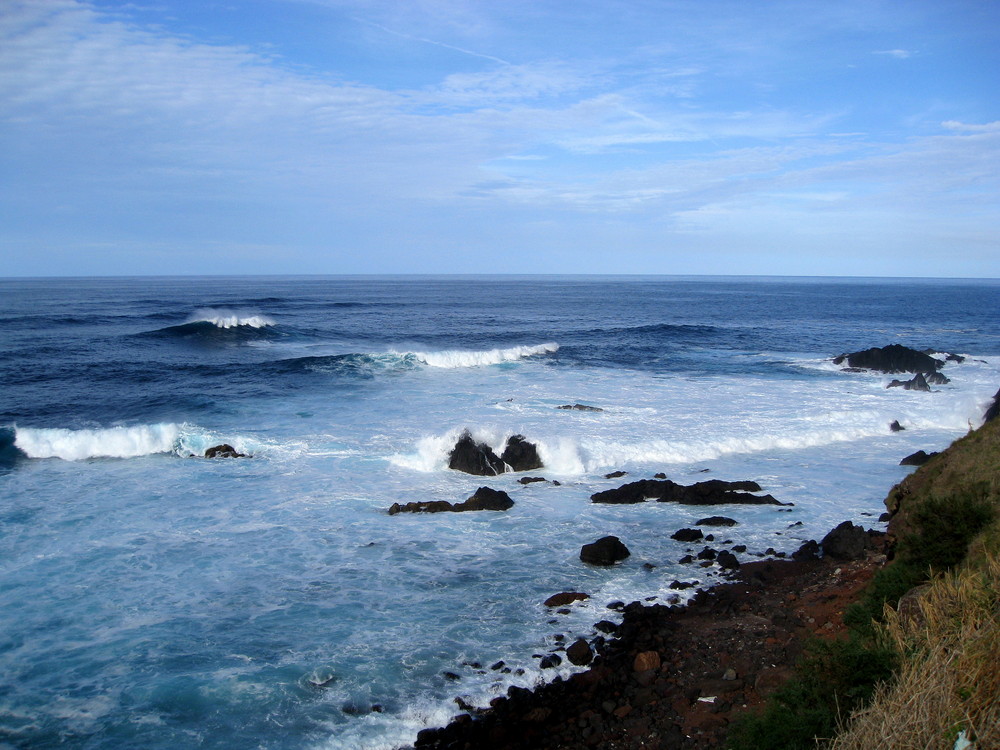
(117, 442)
(230, 319)
(450, 359)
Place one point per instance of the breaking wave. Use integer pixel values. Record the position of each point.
(450, 359)
(229, 319)
(116, 442)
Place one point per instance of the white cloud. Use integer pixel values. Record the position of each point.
(899, 54)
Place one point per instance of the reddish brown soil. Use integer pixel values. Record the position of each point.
(722, 654)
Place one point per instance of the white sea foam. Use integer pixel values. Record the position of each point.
(230, 319)
(460, 358)
(118, 442)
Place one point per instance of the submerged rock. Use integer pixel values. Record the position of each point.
(579, 407)
(605, 551)
(890, 359)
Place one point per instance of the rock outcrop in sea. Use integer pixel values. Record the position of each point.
(710, 492)
(894, 358)
(479, 458)
(485, 498)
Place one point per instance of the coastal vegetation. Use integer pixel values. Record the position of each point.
(918, 668)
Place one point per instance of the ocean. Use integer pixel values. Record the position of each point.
(154, 598)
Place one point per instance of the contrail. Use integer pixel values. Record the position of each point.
(431, 41)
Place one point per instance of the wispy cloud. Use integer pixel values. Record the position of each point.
(899, 54)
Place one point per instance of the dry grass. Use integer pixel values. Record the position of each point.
(950, 676)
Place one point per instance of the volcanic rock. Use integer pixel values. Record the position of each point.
(716, 521)
(605, 551)
(711, 492)
(917, 383)
(917, 459)
(474, 458)
(579, 653)
(225, 450)
(890, 359)
(687, 535)
(846, 542)
(566, 597)
(484, 498)
(994, 409)
(895, 426)
(520, 455)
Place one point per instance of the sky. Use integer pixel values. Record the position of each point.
(792, 137)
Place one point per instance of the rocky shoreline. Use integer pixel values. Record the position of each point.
(675, 677)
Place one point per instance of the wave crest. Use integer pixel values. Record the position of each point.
(457, 358)
(115, 442)
(229, 319)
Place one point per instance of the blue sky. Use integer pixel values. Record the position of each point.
(448, 136)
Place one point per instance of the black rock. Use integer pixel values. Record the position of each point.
(890, 359)
(716, 521)
(707, 553)
(846, 542)
(936, 378)
(711, 492)
(615, 474)
(520, 455)
(484, 498)
(917, 383)
(808, 551)
(727, 560)
(605, 551)
(225, 450)
(687, 535)
(993, 411)
(917, 459)
(531, 480)
(895, 426)
(474, 458)
(550, 661)
(579, 653)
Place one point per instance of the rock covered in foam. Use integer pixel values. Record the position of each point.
(917, 383)
(481, 460)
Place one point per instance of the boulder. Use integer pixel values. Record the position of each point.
(531, 480)
(727, 560)
(566, 597)
(936, 378)
(895, 426)
(474, 458)
(808, 551)
(424, 506)
(615, 474)
(520, 455)
(890, 359)
(846, 542)
(687, 535)
(224, 450)
(605, 551)
(486, 498)
(918, 459)
(579, 407)
(579, 653)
